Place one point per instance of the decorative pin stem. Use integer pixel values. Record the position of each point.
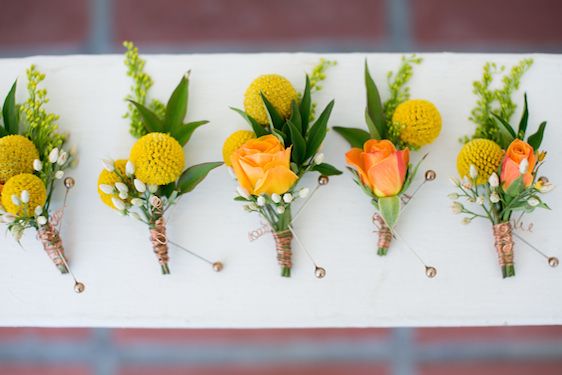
(319, 272)
(322, 181)
(217, 266)
(552, 260)
(430, 271)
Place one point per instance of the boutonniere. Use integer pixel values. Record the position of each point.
(33, 160)
(154, 177)
(499, 167)
(379, 159)
(270, 160)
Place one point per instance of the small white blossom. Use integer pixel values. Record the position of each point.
(118, 203)
(152, 188)
(139, 185)
(260, 201)
(453, 196)
(533, 202)
(287, 197)
(466, 183)
(24, 196)
(524, 166)
(303, 193)
(54, 155)
(242, 192)
(108, 164)
(494, 197)
(63, 157)
(473, 172)
(107, 189)
(37, 165)
(319, 158)
(494, 180)
(276, 198)
(121, 187)
(41, 220)
(252, 206)
(280, 209)
(123, 195)
(466, 220)
(130, 169)
(15, 200)
(456, 207)
(38, 210)
(137, 202)
(8, 218)
(59, 175)
(480, 200)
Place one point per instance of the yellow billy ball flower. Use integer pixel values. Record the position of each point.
(110, 178)
(419, 122)
(158, 159)
(277, 89)
(484, 154)
(15, 185)
(17, 154)
(234, 142)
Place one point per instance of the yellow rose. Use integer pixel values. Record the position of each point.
(262, 166)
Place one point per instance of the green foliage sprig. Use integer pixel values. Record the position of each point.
(398, 84)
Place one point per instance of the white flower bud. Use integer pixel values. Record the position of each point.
(261, 201)
(63, 157)
(73, 150)
(107, 189)
(137, 202)
(37, 165)
(24, 196)
(121, 187)
(59, 175)
(457, 208)
(38, 210)
(41, 220)
(152, 188)
(524, 166)
(15, 200)
(123, 195)
(139, 185)
(275, 198)
(466, 220)
(533, 202)
(134, 215)
(54, 155)
(494, 180)
(252, 206)
(319, 158)
(130, 169)
(118, 203)
(280, 209)
(108, 164)
(494, 197)
(453, 196)
(480, 200)
(242, 192)
(287, 197)
(545, 187)
(8, 218)
(466, 183)
(472, 171)
(303, 193)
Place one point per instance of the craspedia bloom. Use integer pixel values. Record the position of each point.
(158, 159)
(234, 142)
(15, 185)
(110, 178)
(277, 89)
(419, 122)
(484, 154)
(17, 154)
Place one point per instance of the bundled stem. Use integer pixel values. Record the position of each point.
(160, 243)
(283, 241)
(52, 243)
(385, 235)
(504, 246)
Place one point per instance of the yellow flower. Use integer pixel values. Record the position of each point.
(277, 89)
(17, 154)
(234, 142)
(419, 122)
(158, 159)
(484, 154)
(110, 178)
(15, 185)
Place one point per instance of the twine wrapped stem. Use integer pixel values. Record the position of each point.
(51, 240)
(385, 235)
(160, 243)
(503, 238)
(283, 241)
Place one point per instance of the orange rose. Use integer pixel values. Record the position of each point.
(381, 167)
(517, 151)
(262, 166)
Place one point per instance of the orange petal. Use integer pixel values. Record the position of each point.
(277, 180)
(386, 177)
(509, 172)
(241, 176)
(353, 157)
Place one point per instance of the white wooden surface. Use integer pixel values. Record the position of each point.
(112, 255)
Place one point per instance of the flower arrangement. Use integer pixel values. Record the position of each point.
(153, 178)
(270, 160)
(499, 166)
(33, 159)
(380, 157)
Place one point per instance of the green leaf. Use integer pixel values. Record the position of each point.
(374, 133)
(275, 119)
(183, 134)
(299, 144)
(355, 137)
(326, 169)
(167, 190)
(10, 112)
(524, 120)
(176, 109)
(150, 120)
(193, 175)
(318, 131)
(516, 187)
(257, 128)
(374, 106)
(389, 207)
(412, 174)
(506, 126)
(3, 132)
(296, 117)
(535, 140)
(305, 106)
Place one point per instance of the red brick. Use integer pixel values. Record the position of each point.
(532, 333)
(43, 370)
(308, 369)
(74, 334)
(28, 23)
(128, 336)
(458, 22)
(248, 21)
(495, 368)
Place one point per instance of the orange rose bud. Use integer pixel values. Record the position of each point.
(517, 151)
(262, 166)
(381, 167)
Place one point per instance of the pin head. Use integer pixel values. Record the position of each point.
(553, 262)
(323, 180)
(430, 272)
(543, 180)
(69, 182)
(218, 266)
(319, 272)
(430, 175)
(79, 287)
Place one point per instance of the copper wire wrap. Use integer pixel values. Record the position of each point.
(504, 243)
(283, 241)
(52, 243)
(158, 236)
(385, 235)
